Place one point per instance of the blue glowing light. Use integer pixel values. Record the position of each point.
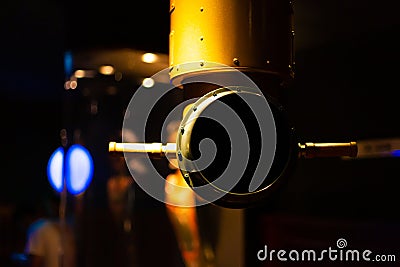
(55, 169)
(396, 153)
(68, 63)
(78, 169)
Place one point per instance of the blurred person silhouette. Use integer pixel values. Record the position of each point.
(120, 191)
(121, 199)
(196, 228)
(50, 239)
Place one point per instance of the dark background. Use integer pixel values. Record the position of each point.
(345, 89)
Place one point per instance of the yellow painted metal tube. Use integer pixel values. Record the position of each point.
(256, 36)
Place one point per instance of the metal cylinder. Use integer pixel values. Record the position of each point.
(253, 36)
(320, 150)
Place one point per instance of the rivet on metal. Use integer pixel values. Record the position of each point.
(172, 9)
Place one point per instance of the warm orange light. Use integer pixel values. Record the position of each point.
(178, 193)
(71, 84)
(106, 70)
(149, 57)
(84, 74)
(79, 73)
